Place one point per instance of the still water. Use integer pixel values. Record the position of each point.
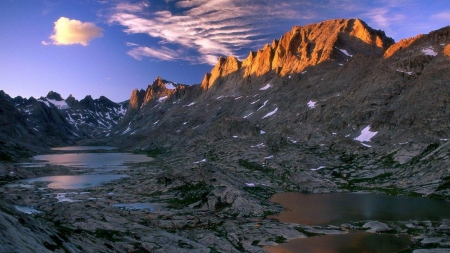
(93, 160)
(338, 208)
(151, 207)
(83, 148)
(73, 181)
(358, 242)
(100, 162)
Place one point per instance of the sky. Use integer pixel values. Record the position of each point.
(109, 48)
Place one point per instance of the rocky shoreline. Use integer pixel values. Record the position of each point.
(208, 207)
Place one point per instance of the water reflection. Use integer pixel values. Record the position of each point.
(83, 148)
(151, 207)
(93, 160)
(359, 242)
(338, 208)
(74, 182)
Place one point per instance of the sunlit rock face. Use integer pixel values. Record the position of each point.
(304, 46)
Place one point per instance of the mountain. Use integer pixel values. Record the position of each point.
(328, 91)
(337, 87)
(31, 125)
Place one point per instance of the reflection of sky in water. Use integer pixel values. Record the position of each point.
(338, 208)
(74, 182)
(141, 206)
(359, 242)
(93, 160)
(84, 148)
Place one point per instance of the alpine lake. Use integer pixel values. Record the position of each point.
(332, 223)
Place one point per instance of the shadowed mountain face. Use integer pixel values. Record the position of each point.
(322, 85)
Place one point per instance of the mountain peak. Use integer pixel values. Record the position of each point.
(334, 40)
(54, 96)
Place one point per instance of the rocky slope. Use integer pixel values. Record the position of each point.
(325, 86)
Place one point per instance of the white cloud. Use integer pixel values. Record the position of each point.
(442, 16)
(72, 31)
(45, 43)
(131, 44)
(160, 53)
(383, 18)
(206, 28)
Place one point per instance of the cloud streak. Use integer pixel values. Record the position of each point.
(72, 31)
(205, 28)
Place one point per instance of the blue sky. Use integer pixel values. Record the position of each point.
(99, 47)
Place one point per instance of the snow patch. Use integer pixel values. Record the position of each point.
(250, 184)
(254, 102)
(312, 104)
(365, 135)
(406, 72)
(26, 209)
(429, 51)
(61, 197)
(266, 87)
(59, 104)
(319, 168)
(191, 104)
(270, 113)
(248, 115)
(162, 98)
(345, 52)
(238, 98)
(170, 86)
(45, 102)
(263, 105)
(262, 132)
(261, 145)
(202, 161)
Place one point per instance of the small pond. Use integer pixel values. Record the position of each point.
(151, 207)
(72, 181)
(338, 208)
(358, 242)
(93, 160)
(83, 148)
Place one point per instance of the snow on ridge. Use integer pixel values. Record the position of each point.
(60, 104)
(345, 52)
(429, 51)
(263, 105)
(266, 87)
(45, 102)
(271, 113)
(312, 104)
(366, 135)
(406, 72)
(319, 168)
(162, 98)
(170, 86)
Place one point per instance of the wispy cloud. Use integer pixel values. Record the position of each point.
(205, 28)
(72, 31)
(162, 53)
(445, 16)
(383, 18)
